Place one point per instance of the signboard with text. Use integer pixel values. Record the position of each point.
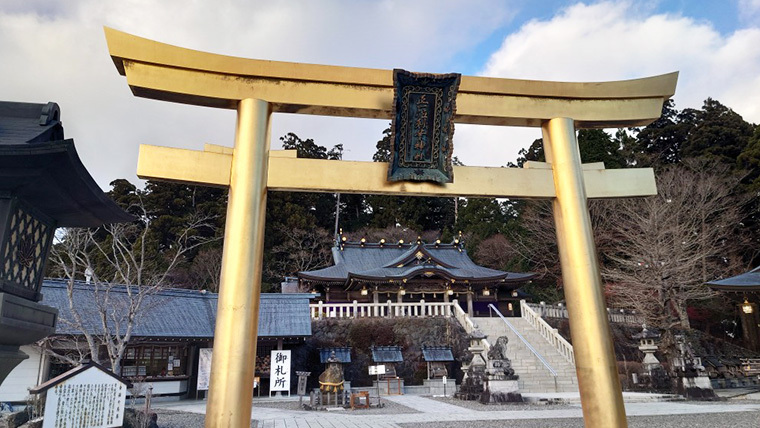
(280, 371)
(204, 368)
(377, 370)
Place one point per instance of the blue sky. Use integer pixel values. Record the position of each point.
(55, 51)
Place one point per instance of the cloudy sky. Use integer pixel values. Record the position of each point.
(55, 51)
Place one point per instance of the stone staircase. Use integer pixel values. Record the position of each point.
(534, 377)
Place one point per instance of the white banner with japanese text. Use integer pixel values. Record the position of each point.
(280, 371)
(204, 368)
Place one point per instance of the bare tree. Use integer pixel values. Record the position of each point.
(132, 272)
(658, 252)
(301, 250)
(494, 252)
(207, 268)
(534, 243)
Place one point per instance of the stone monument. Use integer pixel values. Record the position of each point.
(691, 379)
(499, 373)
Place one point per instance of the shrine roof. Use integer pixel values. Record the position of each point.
(177, 313)
(343, 354)
(42, 168)
(387, 354)
(437, 353)
(746, 282)
(381, 262)
(75, 372)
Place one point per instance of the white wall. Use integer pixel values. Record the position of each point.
(24, 376)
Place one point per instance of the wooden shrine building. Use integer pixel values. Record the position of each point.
(164, 350)
(413, 272)
(745, 288)
(43, 186)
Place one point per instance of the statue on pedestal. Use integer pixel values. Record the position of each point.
(499, 366)
(331, 380)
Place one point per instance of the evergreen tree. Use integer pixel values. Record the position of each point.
(413, 212)
(719, 134)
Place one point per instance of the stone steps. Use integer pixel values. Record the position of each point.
(534, 377)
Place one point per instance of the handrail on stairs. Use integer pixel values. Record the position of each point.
(527, 344)
(548, 332)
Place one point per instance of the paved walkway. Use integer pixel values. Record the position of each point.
(435, 411)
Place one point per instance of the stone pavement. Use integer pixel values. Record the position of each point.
(430, 410)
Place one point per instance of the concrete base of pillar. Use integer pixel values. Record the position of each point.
(698, 387)
(437, 387)
(502, 386)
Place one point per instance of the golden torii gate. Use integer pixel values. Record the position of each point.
(258, 88)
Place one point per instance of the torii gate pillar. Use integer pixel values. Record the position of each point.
(237, 319)
(595, 361)
(257, 88)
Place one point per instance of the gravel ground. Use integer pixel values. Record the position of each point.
(477, 406)
(168, 418)
(175, 419)
(389, 407)
(713, 420)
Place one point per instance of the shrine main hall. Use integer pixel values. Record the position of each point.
(412, 272)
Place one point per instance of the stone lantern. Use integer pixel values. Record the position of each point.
(647, 344)
(473, 382)
(477, 349)
(43, 185)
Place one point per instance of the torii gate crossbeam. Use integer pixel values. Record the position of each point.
(258, 88)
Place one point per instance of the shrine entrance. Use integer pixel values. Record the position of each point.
(256, 89)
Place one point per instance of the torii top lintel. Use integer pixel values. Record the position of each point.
(169, 73)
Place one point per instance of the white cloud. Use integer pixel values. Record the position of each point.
(612, 41)
(615, 41)
(749, 10)
(56, 53)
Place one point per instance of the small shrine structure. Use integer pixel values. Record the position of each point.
(413, 272)
(439, 360)
(745, 288)
(389, 356)
(340, 354)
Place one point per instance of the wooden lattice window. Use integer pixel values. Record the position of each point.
(154, 360)
(22, 258)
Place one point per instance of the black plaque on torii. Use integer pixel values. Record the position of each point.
(423, 126)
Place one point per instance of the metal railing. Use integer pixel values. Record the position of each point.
(547, 332)
(528, 345)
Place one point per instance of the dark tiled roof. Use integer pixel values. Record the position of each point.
(437, 353)
(749, 281)
(29, 123)
(387, 354)
(374, 262)
(342, 354)
(284, 315)
(646, 334)
(177, 313)
(38, 166)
